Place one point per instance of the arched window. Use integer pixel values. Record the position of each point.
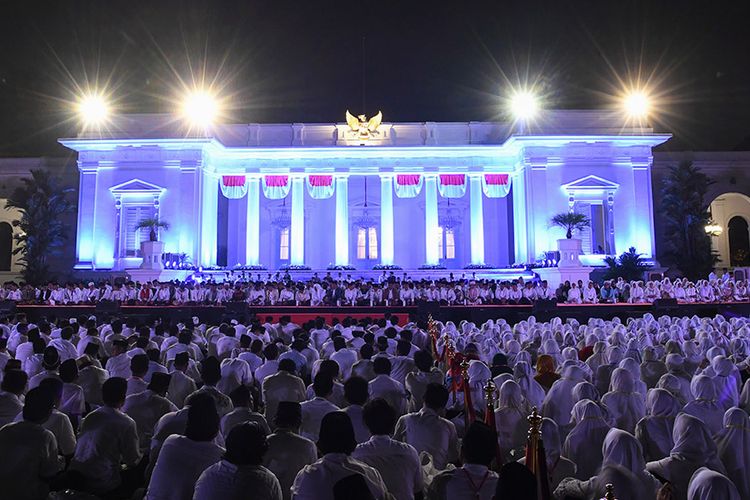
(367, 243)
(6, 246)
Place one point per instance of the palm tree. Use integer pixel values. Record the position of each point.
(570, 221)
(153, 224)
(42, 202)
(685, 213)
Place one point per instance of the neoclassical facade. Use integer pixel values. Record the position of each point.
(407, 194)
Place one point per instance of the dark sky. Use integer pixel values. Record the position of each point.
(295, 61)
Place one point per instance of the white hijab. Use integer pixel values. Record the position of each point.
(654, 431)
(623, 449)
(705, 406)
(710, 485)
(510, 419)
(733, 443)
(531, 389)
(558, 403)
(623, 403)
(584, 442)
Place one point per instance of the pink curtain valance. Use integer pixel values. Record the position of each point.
(233, 186)
(320, 187)
(452, 185)
(496, 185)
(276, 187)
(408, 185)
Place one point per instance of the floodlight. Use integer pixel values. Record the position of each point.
(200, 108)
(637, 104)
(93, 109)
(524, 105)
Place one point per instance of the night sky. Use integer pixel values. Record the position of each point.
(295, 61)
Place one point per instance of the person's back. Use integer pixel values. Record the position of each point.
(28, 451)
(416, 382)
(315, 409)
(107, 438)
(288, 452)
(282, 386)
(398, 463)
(383, 386)
(427, 431)
(147, 407)
(182, 459)
(474, 480)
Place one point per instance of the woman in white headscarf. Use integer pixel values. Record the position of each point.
(584, 442)
(599, 357)
(558, 467)
(634, 368)
(672, 384)
(710, 485)
(558, 403)
(705, 406)
(624, 404)
(675, 366)
(532, 391)
(727, 387)
(733, 443)
(654, 431)
(651, 368)
(570, 355)
(479, 374)
(693, 448)
(511, 421)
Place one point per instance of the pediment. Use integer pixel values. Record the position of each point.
(591, 183)
(137, 186)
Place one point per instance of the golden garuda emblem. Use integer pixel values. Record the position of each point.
(365, 128)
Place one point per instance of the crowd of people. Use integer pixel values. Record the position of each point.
(374, 408)
(388, 290)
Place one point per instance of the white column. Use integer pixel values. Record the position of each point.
(431, 220)
(477, 219)
(209, 214)
(342, 220)
(297, 254)
(386, 220)
(252, 231)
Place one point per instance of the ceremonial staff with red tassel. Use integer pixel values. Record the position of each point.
(489, 419)
(536, 459)
(469, 414)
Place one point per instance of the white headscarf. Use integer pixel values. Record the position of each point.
(634, 368)
(727, 389)
(705, 406)
(693, 448)
(584, 442)
(559, 401)
(654, 431)
(733, 443)
(622, 448)
(710, 485)
(623, 403)
(510, 419)
(531, 389)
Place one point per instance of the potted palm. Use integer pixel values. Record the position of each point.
(569, 247)
(152, 249)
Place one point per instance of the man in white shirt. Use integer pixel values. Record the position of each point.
(58, 423)
(98, 457)
(356, 392)
(138, 369)
(398, 463)
(240, 473)
(242, 401)
(284, 385)
(147, 407)
(426, 430)
(118, 364)
(315, 409)
(183, 458)
(11, 392)
(474, 480)
(344, 356)
(271, 365)
(288, 452)
(336, 443)
(383, 386)
(28, 451)
(180, 384)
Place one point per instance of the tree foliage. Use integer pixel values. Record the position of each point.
(629, 266)
(685, 213)
(153, 224)
(41, 230)
(570, 221)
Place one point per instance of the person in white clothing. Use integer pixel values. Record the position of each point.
(98, 457)
(183, 458)
(383, 386)
(240, 472)
(315, 409)
(397, 462)
(147, 407)
(319, 480)
(180, 384)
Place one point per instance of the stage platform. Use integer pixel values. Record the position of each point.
(299, 315)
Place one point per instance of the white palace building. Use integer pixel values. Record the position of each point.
(363, 194)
